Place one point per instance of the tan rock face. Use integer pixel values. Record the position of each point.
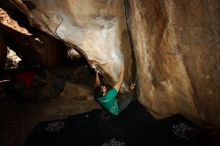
(96, 27)
(165, 85)
(175, 43)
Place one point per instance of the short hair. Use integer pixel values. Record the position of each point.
(98, 92)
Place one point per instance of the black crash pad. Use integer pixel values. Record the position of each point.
(134, 126)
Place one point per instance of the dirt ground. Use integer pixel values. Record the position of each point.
(18, 118)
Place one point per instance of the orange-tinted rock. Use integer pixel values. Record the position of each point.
(95, 28)
(176, 44)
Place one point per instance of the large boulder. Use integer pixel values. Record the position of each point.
(175, 45)
(97, 29)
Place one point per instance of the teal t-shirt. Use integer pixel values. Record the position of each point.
(109, 101)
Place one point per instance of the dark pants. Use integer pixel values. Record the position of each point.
(123, 104)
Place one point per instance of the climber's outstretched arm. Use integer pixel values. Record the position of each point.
(97, 80)
(117, 86)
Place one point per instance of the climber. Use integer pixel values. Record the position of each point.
(107, 98)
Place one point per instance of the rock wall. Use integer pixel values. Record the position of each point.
(96, 28)
(175, 45)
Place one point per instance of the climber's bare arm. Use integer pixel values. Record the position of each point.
(117, 86)
(97, 80)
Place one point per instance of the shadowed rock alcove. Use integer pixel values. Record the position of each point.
(170, 48)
